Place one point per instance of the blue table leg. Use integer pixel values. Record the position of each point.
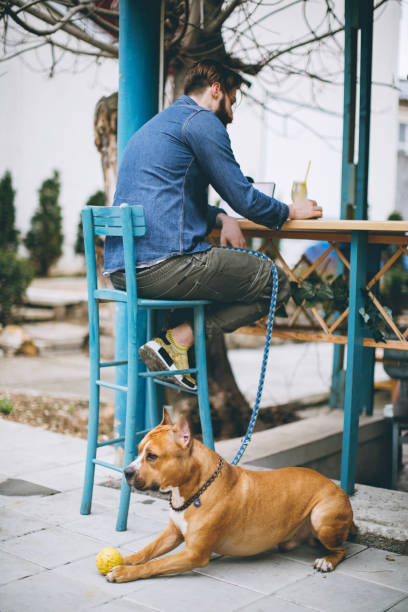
(355, 360)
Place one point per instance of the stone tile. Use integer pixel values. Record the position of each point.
(264, 573)
(308, 554)
(379, 566)
(51, 547)
(337, 592)
(84, 570)
(57, 509)
(43, 593)
(271, 602)
(64, 478)
(14, 523)
(121, 605)
(103, 527)
(402, 606)
(191, 591)
(14, 568)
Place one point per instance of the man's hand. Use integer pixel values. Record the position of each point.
(305, 209)
(231, 234)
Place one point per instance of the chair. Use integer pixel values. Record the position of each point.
(396, 366)
(129, 223)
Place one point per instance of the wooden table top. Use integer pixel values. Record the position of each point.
(321, 225)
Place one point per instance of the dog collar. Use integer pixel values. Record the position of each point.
(195, 499)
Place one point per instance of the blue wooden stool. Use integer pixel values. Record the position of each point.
(129, 223)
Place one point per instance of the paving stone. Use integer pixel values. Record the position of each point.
(64, 478)
(57, 509)
(308, 554)
(14, 523)
(271, 602)
(14, 568)
(121, 605)
(12, 487)
(43, 593)
(51, 547)
(264, 573)
(379, 566)
(103, 527)
(191, 591)
(337, 592)
(402, 606)
(84, 570)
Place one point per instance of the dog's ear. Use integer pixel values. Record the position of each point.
(182, 432)
(166, 420)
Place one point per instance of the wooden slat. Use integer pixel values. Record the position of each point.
(341, 256)
(315, 264)
(338, 321)
(117, 231)
(385, 267)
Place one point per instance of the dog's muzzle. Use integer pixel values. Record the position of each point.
(132, 479)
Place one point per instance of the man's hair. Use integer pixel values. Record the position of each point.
(206, 72)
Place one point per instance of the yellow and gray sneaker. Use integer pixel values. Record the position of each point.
(162, 353)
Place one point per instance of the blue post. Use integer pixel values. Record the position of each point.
(139, 76)
(355, 375)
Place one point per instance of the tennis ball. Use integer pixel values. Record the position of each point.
(108, 558)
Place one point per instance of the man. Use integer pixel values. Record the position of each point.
(167, 167)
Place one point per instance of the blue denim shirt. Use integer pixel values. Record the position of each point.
(167, 166)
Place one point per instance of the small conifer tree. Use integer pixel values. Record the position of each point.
(8, 231)
(44, 239)
(97, 199)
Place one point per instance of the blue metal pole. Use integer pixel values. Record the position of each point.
(347, 171)
(139, 76)
(355, 360)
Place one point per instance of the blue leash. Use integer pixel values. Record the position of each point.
(269, 327)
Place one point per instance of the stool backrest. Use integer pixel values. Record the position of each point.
(123, 221)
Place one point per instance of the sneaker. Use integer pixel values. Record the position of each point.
(159, 354)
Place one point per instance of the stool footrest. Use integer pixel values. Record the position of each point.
(173, 386)
(112, 441)
(111, 466)
(168, 372)
(108, 364)
(102, 383)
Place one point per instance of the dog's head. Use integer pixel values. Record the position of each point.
(163, 456)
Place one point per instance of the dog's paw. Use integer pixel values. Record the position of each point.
(119, 573)
(322, 565)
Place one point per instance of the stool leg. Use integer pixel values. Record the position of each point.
(93, 420)
(130, 433)
(152, 400)
(202, 381)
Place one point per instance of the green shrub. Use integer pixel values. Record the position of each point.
(15, 276)
(44, 240)
(8, 232)
(97, 199)
(6, 406)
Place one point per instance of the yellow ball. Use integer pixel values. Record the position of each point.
(108, 558)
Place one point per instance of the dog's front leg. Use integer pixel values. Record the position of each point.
(181, 562)
(166, 541)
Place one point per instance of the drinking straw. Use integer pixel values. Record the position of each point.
(307, 171)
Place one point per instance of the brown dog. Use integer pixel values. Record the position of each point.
(217, 507)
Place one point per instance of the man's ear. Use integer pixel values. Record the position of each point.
(182, 432)
(216, 89)
(166, 420)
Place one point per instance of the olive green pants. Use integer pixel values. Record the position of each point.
(239, 283)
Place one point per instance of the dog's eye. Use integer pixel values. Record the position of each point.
(151, 457)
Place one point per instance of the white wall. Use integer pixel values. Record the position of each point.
(47, 123)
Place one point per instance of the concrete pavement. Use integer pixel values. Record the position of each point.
(47, 549)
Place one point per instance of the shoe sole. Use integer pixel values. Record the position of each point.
(151, 357)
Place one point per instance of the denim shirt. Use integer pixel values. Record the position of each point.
(167, 166)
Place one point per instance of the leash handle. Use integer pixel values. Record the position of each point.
(269, 327)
